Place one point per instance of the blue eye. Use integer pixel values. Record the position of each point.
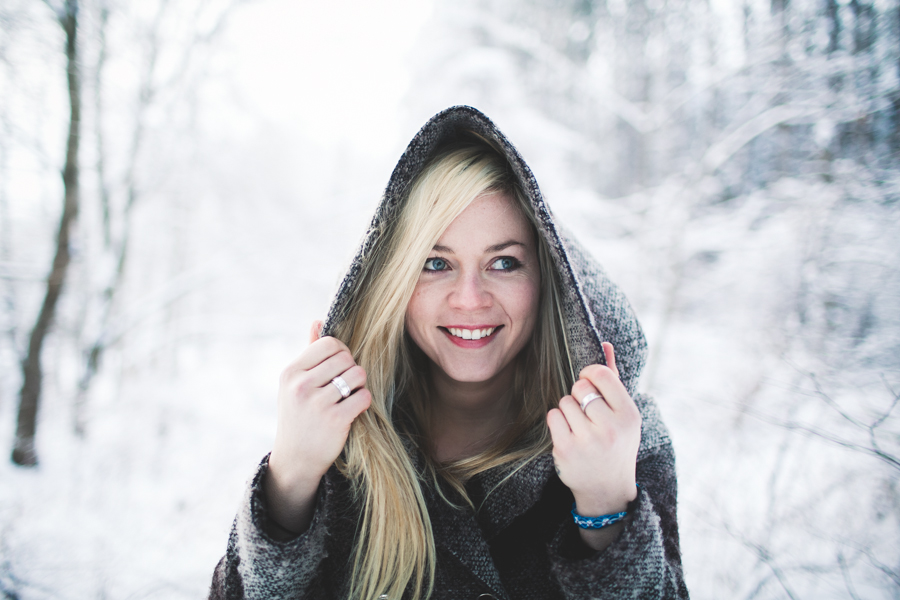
(435, 264)
(506, 263)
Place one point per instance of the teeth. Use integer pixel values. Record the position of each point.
(471, 334)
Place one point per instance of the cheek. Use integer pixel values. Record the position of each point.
(526, 306)
(416, 314)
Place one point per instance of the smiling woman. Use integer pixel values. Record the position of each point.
(460, 427)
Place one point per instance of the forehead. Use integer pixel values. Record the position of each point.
(491, 218)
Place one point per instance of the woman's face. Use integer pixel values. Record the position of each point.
(476, 301)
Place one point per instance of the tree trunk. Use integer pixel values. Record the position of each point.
(24, 452)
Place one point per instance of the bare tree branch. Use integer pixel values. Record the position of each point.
(885, 457)
(765, 557)
(880, 420)
(834, 405)
(845, 572)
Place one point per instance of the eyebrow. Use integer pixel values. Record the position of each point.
(494, 248)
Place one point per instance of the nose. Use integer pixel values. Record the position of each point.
(469, 293)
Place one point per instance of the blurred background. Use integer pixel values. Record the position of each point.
(199, 172)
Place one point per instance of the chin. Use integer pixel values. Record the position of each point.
(479, 373)
(471, 377)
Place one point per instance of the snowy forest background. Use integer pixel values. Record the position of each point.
(733, 163)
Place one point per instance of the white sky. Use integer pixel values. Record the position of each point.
(336, 71)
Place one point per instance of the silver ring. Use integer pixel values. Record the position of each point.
(588, 399)
(342, 387)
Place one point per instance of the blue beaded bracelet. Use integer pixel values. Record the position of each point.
(597, 522)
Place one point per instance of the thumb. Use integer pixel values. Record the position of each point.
(610, 355)
(315, 331)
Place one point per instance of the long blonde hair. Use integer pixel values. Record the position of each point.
(395, 544)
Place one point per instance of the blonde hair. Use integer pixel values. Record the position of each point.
(395, 544)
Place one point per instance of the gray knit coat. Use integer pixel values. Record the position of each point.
(521, 543)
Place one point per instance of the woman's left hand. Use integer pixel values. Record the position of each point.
(595, 450)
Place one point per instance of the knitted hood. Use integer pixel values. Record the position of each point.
(595, 310)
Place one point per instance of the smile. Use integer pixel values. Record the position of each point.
(470, 334)
(471, 338)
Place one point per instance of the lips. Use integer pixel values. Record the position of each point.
(471, 337)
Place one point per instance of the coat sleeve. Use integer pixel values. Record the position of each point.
(256, 566)
(645, 560)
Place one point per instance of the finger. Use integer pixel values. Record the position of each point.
(318, 351)
(557, 423)
(560, 433)
(330, 393)
(354, 377)
(315, 331)
(575, 417)
(340, 364)
(610, 353)
(355, 404)
(581, 391)
(607, 383)
(583, 388)
(597, 411)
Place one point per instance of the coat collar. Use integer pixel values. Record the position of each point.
(500, 496)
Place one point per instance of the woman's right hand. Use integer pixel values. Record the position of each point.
(313, 425)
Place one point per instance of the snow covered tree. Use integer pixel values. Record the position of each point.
(131, 71)
(23, 452)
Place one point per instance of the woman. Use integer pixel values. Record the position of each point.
(462, 425)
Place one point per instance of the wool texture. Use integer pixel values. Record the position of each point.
(520, 543)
